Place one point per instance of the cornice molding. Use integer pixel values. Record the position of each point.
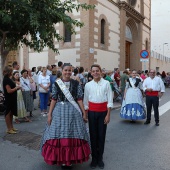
(116, 4)
(131, 11)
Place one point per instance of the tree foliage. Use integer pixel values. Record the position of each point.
(20, 18)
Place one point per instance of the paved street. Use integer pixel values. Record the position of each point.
(129, 146)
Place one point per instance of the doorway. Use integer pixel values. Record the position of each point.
(127, 57)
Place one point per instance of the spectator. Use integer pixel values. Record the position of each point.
(158, 74)
(10, 93)
(143, 75)
(39, 70)
(21, 111)
(53, 78)
(167, 79)
(60, 65)
(32, 84)
(146, 73)
(75, 75)
(33, 71)
(81, 77)
(117, 77)
(44, 85)
(49, 70)
(123, 80)
(16, 67)
(163, 75)
(27, 92)
(89, 76)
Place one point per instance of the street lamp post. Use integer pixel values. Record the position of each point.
(163, 47)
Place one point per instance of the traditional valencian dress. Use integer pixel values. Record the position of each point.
(133, 107)
(66, 140)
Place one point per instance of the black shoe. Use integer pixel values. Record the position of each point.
(93, 164)
(101, 164)
(147, 122)
(157, 123)
(132, 121)
(66, 167)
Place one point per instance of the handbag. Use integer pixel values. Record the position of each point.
(41, 90)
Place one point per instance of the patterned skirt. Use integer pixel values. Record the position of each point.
(66, 140)
(133, 107)
(28, 100)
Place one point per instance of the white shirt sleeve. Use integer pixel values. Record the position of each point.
(39, 79)
(162, 86)
(85, 100)
(109, 96)
(144, 84)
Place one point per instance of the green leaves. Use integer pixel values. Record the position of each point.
(23, 19)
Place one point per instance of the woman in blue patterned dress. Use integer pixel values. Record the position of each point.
(133, 106)
(65, 140)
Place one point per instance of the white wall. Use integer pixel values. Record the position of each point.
(107, 60)
(68, 56)
(38, 59)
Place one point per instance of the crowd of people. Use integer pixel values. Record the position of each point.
(77, 96)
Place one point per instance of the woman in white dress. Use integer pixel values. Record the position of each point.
(133, 106)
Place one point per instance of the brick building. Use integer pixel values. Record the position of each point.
(113, 35)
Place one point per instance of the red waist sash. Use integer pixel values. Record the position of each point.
(152, 93)
(98, 107)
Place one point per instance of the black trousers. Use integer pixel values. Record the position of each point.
(152, 101)
(97, 130)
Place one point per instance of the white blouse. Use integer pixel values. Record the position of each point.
(25, 84)
(98, 92)
(156, 84)
(44, 80)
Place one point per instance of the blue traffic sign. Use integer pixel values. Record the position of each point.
(144, 54)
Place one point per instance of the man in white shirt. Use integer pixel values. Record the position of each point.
(49, 70)
(98, 100)
(154, 88)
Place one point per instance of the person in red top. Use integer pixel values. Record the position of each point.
(117, 77)
(143, 75)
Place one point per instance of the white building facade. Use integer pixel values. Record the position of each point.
(113, 35)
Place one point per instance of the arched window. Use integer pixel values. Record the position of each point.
(67, 34)
(102, 31)
(128, 33)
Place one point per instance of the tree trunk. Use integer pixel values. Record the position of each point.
(2, 65)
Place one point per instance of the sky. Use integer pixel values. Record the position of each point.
(160, 26)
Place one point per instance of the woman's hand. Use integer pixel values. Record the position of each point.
(49, 119)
